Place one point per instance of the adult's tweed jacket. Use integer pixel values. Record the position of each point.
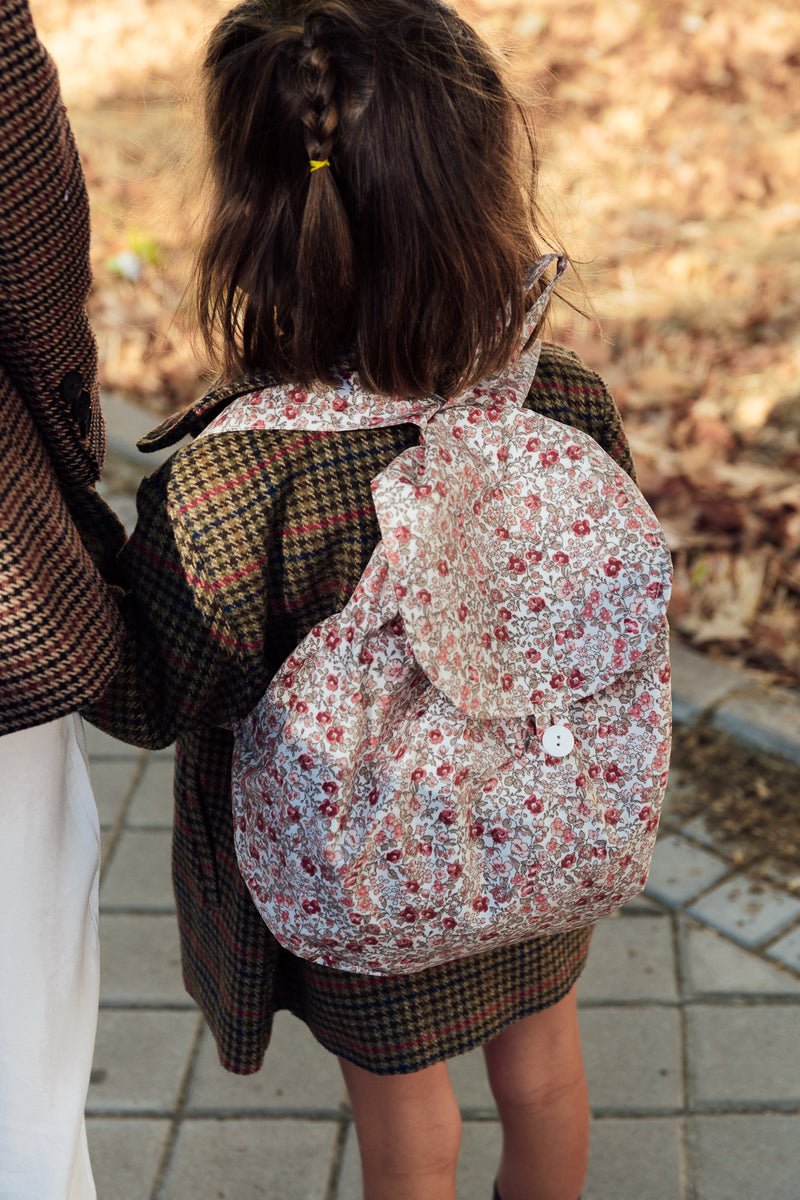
(59, 630)
(243, 542)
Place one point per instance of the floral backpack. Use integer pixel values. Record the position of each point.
(474, 751)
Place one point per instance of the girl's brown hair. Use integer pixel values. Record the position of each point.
(407, 251)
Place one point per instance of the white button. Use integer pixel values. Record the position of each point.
(557, 741)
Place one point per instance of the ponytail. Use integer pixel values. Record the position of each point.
(325, 245)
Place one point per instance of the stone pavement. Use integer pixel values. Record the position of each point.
(690, 1012)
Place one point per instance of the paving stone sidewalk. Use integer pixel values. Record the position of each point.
(690, 1012)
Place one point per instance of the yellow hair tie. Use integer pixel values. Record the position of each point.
(316, 163)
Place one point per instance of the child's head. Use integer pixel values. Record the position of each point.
(408, 245)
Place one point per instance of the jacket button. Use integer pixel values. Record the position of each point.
(77, 399)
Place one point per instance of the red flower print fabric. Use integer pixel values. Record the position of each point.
(475, 750)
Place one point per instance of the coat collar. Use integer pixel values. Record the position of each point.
(192, 420)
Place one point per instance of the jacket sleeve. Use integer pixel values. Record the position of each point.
(46, 345)
(184, 663)
(59, 628)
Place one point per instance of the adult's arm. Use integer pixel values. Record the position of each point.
(47, 350)
(60, 631)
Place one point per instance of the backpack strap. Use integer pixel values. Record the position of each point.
(534, 274)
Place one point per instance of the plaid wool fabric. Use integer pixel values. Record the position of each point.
(244, 541)
(59, 629)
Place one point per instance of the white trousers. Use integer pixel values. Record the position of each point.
(49, 961)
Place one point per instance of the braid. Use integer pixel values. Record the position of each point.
(319, 111)
(325, 248)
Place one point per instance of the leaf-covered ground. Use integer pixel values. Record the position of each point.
(746, 801)
(671, 165)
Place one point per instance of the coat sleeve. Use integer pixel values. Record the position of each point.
(46, 345)
(59, 629)
(185, 664)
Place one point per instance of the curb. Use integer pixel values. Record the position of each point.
(734, 700)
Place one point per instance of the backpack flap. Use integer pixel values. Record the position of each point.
(527, 565)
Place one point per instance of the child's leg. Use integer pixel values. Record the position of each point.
(409, 1132)
(535, 1070)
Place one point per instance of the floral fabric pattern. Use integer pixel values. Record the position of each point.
(475, 750)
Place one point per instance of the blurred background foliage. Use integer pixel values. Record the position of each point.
(670, 147)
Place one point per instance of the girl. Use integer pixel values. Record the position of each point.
(370, 213)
